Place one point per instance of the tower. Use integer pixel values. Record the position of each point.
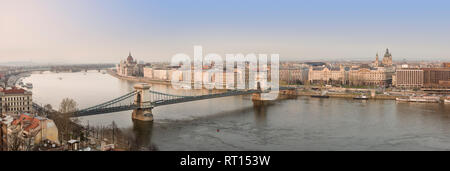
(143, 111)
(130, 58)
(387, 59)
(376, 63)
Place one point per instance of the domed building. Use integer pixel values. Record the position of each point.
(127, 67)
(387, 59)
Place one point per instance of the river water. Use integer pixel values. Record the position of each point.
(232, 123)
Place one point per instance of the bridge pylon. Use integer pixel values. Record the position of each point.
(257, 99)
(143, 112)
(282, 94)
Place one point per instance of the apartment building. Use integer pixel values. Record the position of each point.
(15, 100)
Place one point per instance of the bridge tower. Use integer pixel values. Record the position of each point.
(288, 94)
(256, 98)
(282, 94)
(142, 101)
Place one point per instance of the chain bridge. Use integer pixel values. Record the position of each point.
(142, 100)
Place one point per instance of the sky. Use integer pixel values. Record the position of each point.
(104, 31)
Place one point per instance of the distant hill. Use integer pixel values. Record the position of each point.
(25, 63)
(17, 63)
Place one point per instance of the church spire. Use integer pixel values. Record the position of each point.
(376, 62)
(387, 54)
(130, 58)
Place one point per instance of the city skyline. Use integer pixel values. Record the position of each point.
(105, 31)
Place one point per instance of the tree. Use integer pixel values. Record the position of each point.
(14, 142)
(66, 125)
(17, 141)
(68, 106)
(6, 107)
(48, 107)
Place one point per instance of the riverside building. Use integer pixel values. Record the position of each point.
(130, 67)
(15, 100)
(409, 78)
(436, 78)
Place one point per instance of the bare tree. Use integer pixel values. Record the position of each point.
(14, 142)
(6, 107)
(19, 142)
(66, 125)
(48, 107)
(68, 106)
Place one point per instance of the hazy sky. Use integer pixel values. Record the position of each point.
(84, 31)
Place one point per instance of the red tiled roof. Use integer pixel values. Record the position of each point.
(23, 118)
(13, 91)
(34, 123)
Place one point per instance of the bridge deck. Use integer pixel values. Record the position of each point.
(159, 99)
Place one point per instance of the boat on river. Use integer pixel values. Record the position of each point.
(322, 95)
(420, 99)
(447, 101)
(361, 97)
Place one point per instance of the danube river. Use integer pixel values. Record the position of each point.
(232, 123)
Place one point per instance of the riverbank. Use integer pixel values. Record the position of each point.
(297, 93)
(376, 97)
(136, 79)
(13, 80)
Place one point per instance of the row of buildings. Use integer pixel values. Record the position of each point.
(363, 74)
(21, 132)
(161, 73)
(382, 73)
(350, 75)
(423, 77)
(377, 73)
(19, 129)
(291, 75)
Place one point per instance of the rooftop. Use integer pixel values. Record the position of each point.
(13, 90)
(27, 121)
(436, 69)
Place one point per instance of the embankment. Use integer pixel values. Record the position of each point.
(377, 97)
(136, 79)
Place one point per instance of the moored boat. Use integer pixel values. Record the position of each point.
(322, 95)
(447, 101)
(361, 97)
(420, 99)
(402, 99)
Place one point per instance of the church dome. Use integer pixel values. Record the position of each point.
(387, 54)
